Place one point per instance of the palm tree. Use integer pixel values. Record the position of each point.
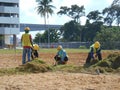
(45, 9)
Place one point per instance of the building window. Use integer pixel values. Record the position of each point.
(9, 4)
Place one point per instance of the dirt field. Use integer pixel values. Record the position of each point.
(55, 80)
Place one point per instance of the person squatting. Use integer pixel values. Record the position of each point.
(95, 51)
(61, 57)
(34, 52)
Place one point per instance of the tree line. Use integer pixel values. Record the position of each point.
(98, 25)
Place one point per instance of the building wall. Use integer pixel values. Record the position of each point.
(9, 17)
(9, 20)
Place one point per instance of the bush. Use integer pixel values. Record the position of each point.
(82, 47)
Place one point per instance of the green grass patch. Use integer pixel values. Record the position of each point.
(68, 50)
(43, 50)
(49, 50)
(34, 66)
(10, 51)
(67, 68)
(9, 71)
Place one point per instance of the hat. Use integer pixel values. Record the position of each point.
(59, 47)
(96, 44)
(35, 47)
(27, 28)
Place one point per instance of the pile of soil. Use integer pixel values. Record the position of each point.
(34, 66)
(109, 64)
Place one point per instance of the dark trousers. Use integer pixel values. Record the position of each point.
(34, 54)
(58, 60)
(89, 57)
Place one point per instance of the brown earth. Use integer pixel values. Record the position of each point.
(55, 80)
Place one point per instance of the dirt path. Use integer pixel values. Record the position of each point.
(60, 81)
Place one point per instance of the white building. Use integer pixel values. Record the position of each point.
(9, 21)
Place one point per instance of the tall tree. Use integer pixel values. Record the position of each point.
(115, 2)
(109, 16)
(90, 29)
(54, 36)
(71, 31)
(38, 38)
(95, 16)
(75, 12)
(117, 13)
(112, 14)
(45, 9)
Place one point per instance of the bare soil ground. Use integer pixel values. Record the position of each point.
(55, 80)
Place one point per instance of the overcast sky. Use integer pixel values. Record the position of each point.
(28, 13)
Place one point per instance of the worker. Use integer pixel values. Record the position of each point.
(27, 43)
(61, 56)
(34, 52)
(95, 51)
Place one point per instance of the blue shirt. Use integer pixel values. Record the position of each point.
(62, 54)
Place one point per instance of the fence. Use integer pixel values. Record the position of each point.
(65, 44)
(111, 45)
(104, 45)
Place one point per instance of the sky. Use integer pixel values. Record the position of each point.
(28, 12)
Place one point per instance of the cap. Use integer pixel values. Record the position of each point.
(59, 47)
(27, 28)
(35, 47)
(96, 44)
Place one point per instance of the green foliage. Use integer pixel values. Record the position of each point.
(71, 31)
(109, 37)
(89, 31)
(94, 15)
(112, 14)
(74, 12)
(44, 8)
(37, 38)
(54, 36)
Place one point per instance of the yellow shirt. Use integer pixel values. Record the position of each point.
(26, 40)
